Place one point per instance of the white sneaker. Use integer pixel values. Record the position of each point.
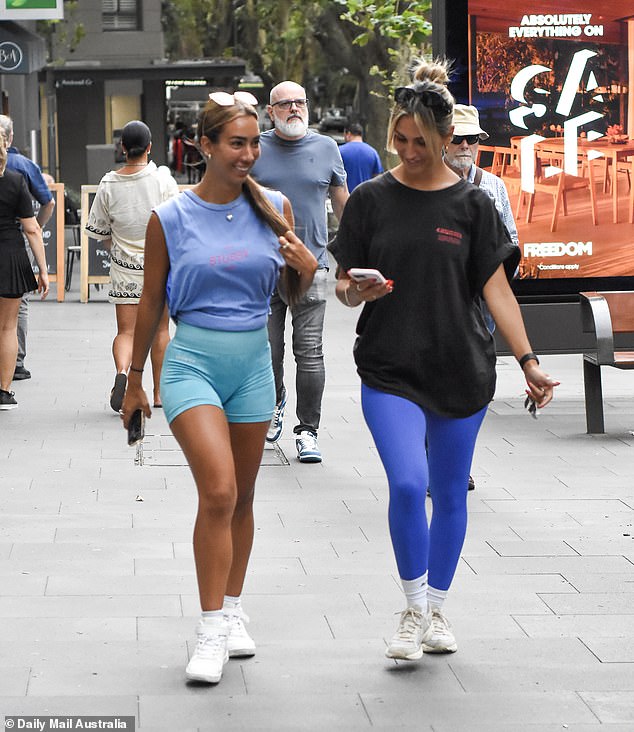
(414, 627)
(307, 448)
(239, 642)
(210, 654)
(442, 639)
(277, 422)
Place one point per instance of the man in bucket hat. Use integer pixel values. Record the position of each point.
(461, 154)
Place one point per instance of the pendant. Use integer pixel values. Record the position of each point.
(229, 217)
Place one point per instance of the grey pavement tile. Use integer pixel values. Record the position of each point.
(615, 603)
(122, 536)
(28, 503)
(21, 584)
(478, 677)
(31, 532)
(616, 544)
(57, 521)
(492, 565)
(299, 711)
(613, 582)
(5, 550)
(64, 567)
(459, 709)
(99, 705)
(612, 650)
(361, 667)
(14, 677)
(531, 548)
(611, 707)
(107, 584)
(584, 626)
(595, 505)
(96, 678)
(89, 606)
(44, 629)
(100, 550)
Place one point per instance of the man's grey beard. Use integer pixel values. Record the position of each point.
(461, 163)
(295, 128)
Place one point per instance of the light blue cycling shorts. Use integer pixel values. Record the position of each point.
(228, 369)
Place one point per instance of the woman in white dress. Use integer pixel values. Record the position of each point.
(118, 216)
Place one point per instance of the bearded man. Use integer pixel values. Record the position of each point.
(307, 168)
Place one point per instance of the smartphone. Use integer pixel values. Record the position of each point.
(360, 274)
(136, 428)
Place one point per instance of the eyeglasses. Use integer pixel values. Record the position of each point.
(459, 139)
(224, 99)
(405, 95)
(286, 104)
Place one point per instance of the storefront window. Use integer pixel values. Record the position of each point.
(118, 15)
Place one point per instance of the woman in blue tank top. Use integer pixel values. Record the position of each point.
(215, 253)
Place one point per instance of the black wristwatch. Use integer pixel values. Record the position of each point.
(526, 358)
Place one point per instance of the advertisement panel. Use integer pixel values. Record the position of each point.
(31, 9)
(551, 81)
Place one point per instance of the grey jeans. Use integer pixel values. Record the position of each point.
(23, 324)
(307, 319)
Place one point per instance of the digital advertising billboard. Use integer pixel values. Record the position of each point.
(551, 81)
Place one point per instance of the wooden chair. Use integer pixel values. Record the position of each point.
(558, 186)
(604, 314)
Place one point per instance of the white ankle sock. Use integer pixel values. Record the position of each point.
(212, 617)
(435, 598)
(232, 603)
(416, 592)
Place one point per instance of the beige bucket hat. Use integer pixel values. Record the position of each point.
(466, 121)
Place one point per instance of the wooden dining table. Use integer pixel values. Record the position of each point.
(610, 151)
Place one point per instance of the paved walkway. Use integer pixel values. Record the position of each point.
(98, 598)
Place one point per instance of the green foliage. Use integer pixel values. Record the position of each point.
(401, 27)
(66, 33)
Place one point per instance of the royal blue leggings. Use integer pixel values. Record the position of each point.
(399, 428)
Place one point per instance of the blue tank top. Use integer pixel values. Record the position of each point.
(224, 261)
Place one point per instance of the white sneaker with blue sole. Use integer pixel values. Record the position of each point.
(307, 448)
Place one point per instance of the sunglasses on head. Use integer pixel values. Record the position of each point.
(405, 95)
(286, 104)
(471, 139)
(224, 99)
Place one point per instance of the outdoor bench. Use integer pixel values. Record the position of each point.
(604, 314)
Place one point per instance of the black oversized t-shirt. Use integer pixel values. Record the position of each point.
(427, 340)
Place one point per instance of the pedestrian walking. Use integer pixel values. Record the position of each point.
(118, 216)
(360, 160)
(38, 188)
(16, 275)
(307, 168)
(424, 354)
(216, 253)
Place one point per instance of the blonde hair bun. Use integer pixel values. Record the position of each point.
(436, 71)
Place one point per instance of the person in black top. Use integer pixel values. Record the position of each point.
(16, 275)
(424, 354)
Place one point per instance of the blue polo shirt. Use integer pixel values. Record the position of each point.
(31, 173)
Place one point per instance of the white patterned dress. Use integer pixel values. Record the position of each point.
(120, 211)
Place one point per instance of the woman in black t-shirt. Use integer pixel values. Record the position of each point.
(16, 275)
(423, 352)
